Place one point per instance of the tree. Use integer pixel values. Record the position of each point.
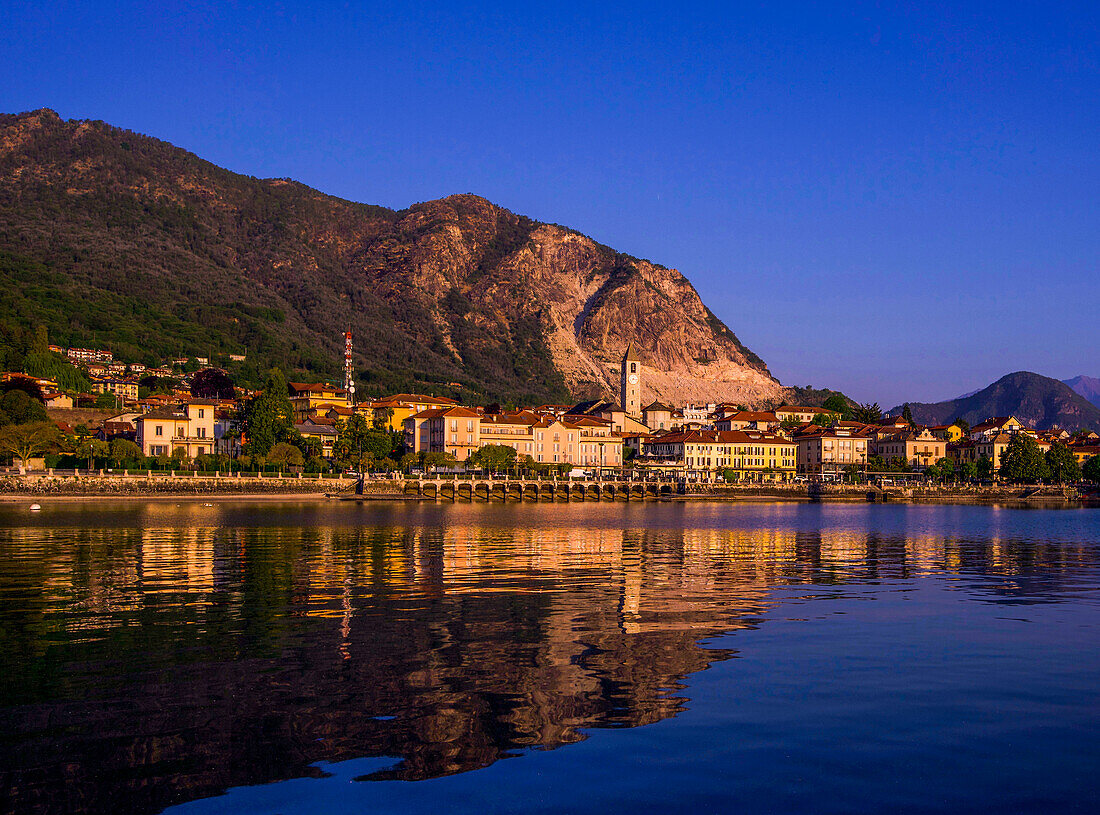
(285, 455)
(876, 463)
(907, 414)
(212, 383)
(838, 404)
(868, 414)
(92, 449)
(823, 420)
(17, 407)
(963, 425)
(381, 418)
(268, 415)
(1091, 470)
(356, 442)
(1023, 462)
(494, 457)
(106, 401)
(1061, 463)
(26, 441)
(967, 471)
(984, 467)
(124, 450)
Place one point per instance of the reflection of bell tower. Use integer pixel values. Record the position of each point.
(631, 383)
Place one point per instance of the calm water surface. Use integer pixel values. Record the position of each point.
(310, 657)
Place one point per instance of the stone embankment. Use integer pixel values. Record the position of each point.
(947, 494)
(181, 485)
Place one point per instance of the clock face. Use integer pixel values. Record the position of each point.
(632, 379)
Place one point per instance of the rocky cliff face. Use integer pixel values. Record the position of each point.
(154, 251)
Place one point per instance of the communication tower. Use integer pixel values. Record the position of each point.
(349, 384)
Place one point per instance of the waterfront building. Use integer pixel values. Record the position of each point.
(708, 455)
(830, 450)
(918, 448)
(188, 427)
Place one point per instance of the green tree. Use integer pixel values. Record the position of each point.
(124, 451)
(945, 469)
(963, 425)
(967, 471)
(907, 413)
(823, 420)
(17, 407)
(285, 455)
(27, 441)
(268, 415)
(870, 413)
(838, 404)
(876, 464)
(1062, 465)
(494, 457)
(1091, 469)
(984, 467)
(91, 449)
(381, 418)
(1022, 461)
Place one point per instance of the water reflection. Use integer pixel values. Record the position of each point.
(156, 654)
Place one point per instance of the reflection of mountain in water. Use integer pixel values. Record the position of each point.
(157, 665)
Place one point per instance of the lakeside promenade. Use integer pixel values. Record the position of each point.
(88, 484)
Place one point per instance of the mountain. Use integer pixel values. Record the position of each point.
(1035, 400)
(115, 239)
(1087, 386)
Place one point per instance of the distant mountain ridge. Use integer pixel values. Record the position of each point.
(1087, 386)
(119, 239)
(1034, 399)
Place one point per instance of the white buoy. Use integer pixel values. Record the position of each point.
(35, 507)
(208, 505)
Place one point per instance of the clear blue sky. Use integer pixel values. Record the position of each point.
(903, 203)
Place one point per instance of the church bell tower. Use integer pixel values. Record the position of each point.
(631, 383)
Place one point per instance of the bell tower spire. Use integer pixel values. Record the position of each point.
(631, 382)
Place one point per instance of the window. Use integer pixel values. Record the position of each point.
(202, 415)
(633, 367)
(159, 431)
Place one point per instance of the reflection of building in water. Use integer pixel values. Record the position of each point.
(479, 639)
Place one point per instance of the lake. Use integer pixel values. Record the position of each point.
(303, 656)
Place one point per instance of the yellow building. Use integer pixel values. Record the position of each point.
(918, 449)
(707, 454)
(188, 427)
(126, 390)
(400, 406)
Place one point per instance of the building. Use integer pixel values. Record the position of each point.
(948, 432)
(305, 396)
(631, 383)
(830, 450)
(168, 430)
(709, 455)
(918, 448)
(124, 389)
(454, 431)
(657, 416)
(79, 356)
(325, 434)
(400, 406)
(798, 413)
(994, 426)
(459, 431)
(748, 420)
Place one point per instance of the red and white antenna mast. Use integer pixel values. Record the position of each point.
(349, 384)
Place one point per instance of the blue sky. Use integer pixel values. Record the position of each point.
(902, 202)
